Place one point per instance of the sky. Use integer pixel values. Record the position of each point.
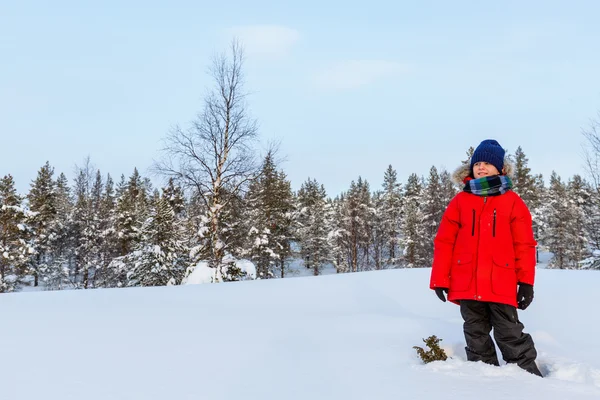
(345, 89)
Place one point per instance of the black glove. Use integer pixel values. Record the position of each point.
(440, 293)
(524, 295)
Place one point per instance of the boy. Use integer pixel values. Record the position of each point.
(484, 259)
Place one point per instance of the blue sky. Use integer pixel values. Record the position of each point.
(346, 89)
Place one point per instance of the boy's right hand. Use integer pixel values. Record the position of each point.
(440, 293)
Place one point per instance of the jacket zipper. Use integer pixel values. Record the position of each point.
(477, 251)
(494, 227)
(473, 224)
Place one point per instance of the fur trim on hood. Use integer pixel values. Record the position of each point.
(460, 173)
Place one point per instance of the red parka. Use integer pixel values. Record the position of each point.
(483, 248)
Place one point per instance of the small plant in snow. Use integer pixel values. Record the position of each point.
(435, 352)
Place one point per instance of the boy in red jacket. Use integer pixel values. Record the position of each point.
(484, 259)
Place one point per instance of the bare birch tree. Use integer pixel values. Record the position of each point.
(214, 159)
(592, 150)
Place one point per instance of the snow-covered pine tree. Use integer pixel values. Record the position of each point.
(523, 181)
(174, 195)
(538, 209)
(448, 188)
(593, 218)
(269, 212)
(284, 221)
(356, 217)
(42, 203)
(58, 273)
(414, 238)
(131, 211)
(15, 250)
(312, 225)
(378, 238)
(108, 224)
(234, 230)
(84, 226)
(392, 215)
(159, 257)
(529, 187)
(338, 237)
(104, 209)
(578, 201)
(433, 207)
(592, 227)
(97, 226)
(557, 235)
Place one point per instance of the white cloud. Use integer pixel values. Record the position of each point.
(357, 73)
(269, 41)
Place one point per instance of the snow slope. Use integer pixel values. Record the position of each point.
(344, 337)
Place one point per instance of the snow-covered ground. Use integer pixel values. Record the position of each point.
(341, 337)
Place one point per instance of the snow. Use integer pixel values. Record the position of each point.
(339, 336)
(247, 266)
(202, 273)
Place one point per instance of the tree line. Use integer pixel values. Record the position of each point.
(98, 233)
(220, 204)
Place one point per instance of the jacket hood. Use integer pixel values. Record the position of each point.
(460, 173)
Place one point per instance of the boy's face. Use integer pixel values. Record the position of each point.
(482, 168)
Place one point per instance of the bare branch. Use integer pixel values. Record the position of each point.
(592, 150)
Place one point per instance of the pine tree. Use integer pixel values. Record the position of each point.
(58, 274)
(469, 153)
(84, 232)
(108, 225)
(174, 195)
(529, 187)
(131, 211)
(413, 230)
(159, 258)
(313, 227)
(96, 226)
(338, 237)
(578, 199)
(234, 227)
(557, 235)
(283, 219)
(356, 217)
(391, 213)
(448, 188)
(269, 209)
(15, 250)
(433, 207)
(378, 238)
(593, 219)
(42, 203)
(524, 183)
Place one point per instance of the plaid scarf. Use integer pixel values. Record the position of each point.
(489, 185)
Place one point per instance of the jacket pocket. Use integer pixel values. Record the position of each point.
(504, 276)
(461, 273)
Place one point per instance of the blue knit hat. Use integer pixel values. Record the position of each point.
(491, 152)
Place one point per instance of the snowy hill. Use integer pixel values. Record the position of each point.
(331, 337)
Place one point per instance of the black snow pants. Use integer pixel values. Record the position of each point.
(516, 347)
